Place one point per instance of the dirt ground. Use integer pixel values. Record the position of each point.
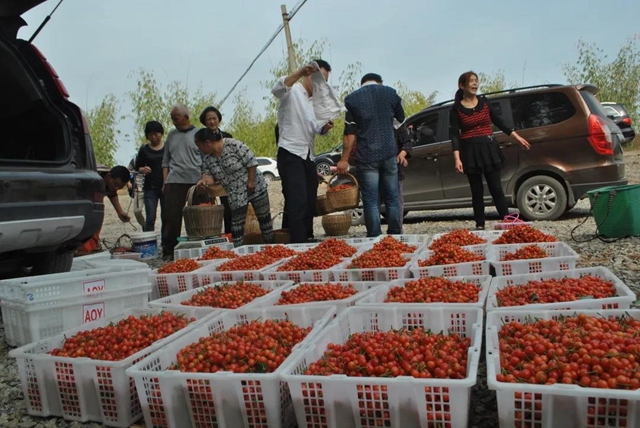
(113, 228)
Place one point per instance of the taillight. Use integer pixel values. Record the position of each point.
(627, 121)
(600, 135)
(61, 88)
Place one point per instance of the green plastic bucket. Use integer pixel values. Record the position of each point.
(616, 210)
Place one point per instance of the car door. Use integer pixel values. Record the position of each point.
(456, 186)
(422, 182)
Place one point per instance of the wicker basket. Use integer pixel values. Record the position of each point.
(201, 220)
(336, 224)
(343, 199)
(281, 236)
(322, 205)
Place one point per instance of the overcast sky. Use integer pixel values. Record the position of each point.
(95, 45)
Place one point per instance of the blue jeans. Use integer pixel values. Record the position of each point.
(151, 198)
(375, 179)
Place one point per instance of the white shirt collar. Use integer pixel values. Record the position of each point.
(370, 82)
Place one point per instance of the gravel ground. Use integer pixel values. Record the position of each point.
(622, 257)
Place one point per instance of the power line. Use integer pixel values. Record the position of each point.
(295, 9)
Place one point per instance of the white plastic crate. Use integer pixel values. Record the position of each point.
(319, 275)
(418, 241)
(26, 323)
(82, 261)
(560, 257)
(81, 389)
(167, 284)
(196, 252)
(378, 296)
(252, 249)
(174, 399)
(74, 284)
(337, 401)
(489, 235)
(558, 405)
(459, 269)
(174, 302)
(210, 274)
(127, 256)
(95, 262)
(363, 287)
(342, 273)
(509, 225)
(623, 299)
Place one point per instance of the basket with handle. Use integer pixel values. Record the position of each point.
(336, 224)
(344, 199)
(323, 206)
(202, 220)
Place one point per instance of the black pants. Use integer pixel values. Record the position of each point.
(228, 218)
(174, 200)
(477, 195)
(300, 190)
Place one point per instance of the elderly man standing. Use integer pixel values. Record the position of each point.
(181, 168)
(371, 110)
(297, 128)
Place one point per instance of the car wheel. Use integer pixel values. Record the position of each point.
(323, 168)
(541, 198)
(357, 216)
(51, 262)
(268, 177)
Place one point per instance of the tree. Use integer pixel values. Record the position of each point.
(103, 121)
(618, 80)
(414, 101)
(150, 102)
(494, 82)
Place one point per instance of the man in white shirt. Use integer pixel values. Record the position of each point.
(296, 148)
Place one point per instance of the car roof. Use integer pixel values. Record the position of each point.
(10, 8)
(537, 88)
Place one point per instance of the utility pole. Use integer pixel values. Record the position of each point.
(291, 54)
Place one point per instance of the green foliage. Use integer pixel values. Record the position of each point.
(103, 120)
(494, 82)
(150, 102)
(618, 79)
(414, 101)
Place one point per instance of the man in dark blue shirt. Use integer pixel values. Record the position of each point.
(371, 110)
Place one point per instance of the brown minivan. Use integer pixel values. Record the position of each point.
(575, 147)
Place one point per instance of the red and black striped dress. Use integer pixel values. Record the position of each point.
(471, 134)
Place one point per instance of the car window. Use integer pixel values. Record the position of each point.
(423, 131)
(611, 111)
(594, 105)
(496, 107)
(533, 110)
(263, 162)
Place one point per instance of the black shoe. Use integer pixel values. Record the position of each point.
(479, 228)
(313, 240)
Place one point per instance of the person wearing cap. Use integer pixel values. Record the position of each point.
(234, 165)
(369, 125)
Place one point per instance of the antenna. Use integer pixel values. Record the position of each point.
(45, 21)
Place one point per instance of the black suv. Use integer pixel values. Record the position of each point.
(575, 148)
(617, 113)
(324, 161)
(51, 196)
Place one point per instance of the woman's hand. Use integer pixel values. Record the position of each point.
(459, 167)
(524, 143)
(145, 170)
(251, 187)
(205, 181)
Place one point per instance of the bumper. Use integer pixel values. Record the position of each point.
(580, 190)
